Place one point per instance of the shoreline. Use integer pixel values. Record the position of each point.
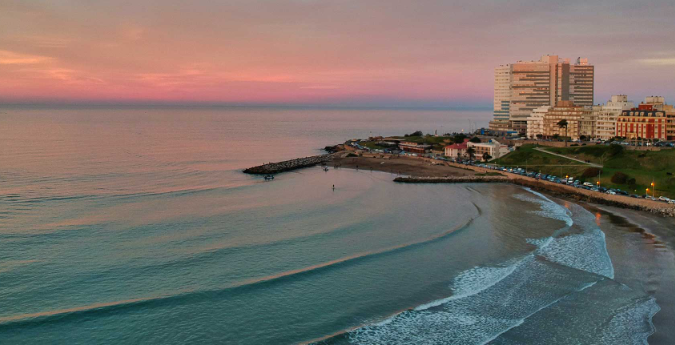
(473, 174)
(427, 170)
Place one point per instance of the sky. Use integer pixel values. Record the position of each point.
(427, 53)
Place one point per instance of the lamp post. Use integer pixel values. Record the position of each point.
(653, 190)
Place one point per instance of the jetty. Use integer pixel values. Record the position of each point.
(278, 167)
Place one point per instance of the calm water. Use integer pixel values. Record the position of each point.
(136, 225)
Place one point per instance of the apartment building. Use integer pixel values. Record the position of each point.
(533, 84)
(564, 110)
(607, 115)
(643, 122)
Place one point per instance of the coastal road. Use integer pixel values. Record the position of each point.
(563, 156)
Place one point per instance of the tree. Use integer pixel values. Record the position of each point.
(582, 137)
(475, 140)
(486, 156)
(459, 138)
(415, 134)
(539, 136)
(471, 152)
(563, 124)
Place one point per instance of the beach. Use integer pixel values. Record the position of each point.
(401, 165)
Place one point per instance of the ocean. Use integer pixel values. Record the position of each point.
(136, 225)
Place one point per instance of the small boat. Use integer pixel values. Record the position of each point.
(269, 177)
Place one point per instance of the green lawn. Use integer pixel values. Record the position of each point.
(643, 166)
(541, 162)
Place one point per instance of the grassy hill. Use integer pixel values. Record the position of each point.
(643, 166)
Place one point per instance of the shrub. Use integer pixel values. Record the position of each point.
(619, 178)
(475, 140)
(631, 182)
(591, 172)
(615, 149)
(415, 134)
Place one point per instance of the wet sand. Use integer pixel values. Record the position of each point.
(401, 165)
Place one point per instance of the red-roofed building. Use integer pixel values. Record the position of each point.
(456, 150)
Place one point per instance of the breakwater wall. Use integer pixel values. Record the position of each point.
(454, 179)
(274, 168)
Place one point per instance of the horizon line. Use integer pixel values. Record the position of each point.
(197, 104)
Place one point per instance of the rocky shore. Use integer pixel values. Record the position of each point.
(274, 168)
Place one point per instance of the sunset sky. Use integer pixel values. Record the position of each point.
(360, 52)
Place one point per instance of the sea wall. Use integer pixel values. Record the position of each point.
(580, 194)
(455, 179)
(274, 168)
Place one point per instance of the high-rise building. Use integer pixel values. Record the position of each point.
(606, 116)
(533, 84)
(502, 98)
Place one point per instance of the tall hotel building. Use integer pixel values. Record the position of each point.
(522, 87)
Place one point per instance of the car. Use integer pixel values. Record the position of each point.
(663, 198)
(611, 192)
(576, 182)
(634, 196)
(588, 184)
(671, 202)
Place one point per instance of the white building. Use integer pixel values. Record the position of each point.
(535, 122)
(502, 98)
(606, 116)
(492, 148)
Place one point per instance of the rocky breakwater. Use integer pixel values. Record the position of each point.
(274, 168)
(455, 179)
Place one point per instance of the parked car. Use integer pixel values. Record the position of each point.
(588, 184)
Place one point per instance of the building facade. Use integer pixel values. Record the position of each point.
(659, 103)
(643, 122)
(568, 111)
(607, 115)
(533, 84)
(502, 98)
(456, 150)
(535, 122)
(588, 122)
(492, 148)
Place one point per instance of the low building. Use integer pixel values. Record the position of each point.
(643, 122)
(568, 111)
(456, 150)
(492, 148)
(659, 103)
(412, 147)
(535, 122)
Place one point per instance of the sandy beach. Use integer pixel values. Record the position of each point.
(405, 166)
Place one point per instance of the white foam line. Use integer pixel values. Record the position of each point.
(521, 321)
(511, 268)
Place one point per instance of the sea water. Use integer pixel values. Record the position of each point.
(136, 225)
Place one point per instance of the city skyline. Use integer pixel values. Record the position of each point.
(312, 53)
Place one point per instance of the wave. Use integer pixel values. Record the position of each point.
(489, 301)
(38, 318)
